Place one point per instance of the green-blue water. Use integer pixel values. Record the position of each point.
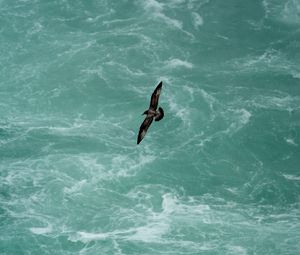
(220, 174)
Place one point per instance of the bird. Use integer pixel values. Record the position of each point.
(151, 113)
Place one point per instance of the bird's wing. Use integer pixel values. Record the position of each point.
(155, 97)
(144, 127)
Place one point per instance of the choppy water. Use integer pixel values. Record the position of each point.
(218, 175)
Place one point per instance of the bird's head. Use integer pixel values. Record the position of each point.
(145, 112)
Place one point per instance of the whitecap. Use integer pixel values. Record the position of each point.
(175, 2)
(97, 70)
(236, 250)
(183, 113)
(211, 101)
(152, 5)
(197, 20)
(240, 119)
(175, 63)
(76, 187)
(128, 167)
(86, 237)
(96, 18)
(172, 22)
(284, 102)
(244, 116)
(267, 8)
(124, 68)
(36, 28)
(158, 224)
(295, 74)
(41, 231)
(290, 13)
(156, 10)
(150, 233)
(171, 204)
(291, 177)
(270, 60)
(291, 141)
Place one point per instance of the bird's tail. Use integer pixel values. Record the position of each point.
(160, 114)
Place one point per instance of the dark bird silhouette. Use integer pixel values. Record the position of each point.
(151, 113)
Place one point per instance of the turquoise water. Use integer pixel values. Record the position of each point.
(218, 175)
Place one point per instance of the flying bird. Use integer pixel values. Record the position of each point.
(152, 113)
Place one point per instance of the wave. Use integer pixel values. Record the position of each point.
(153, 6)
(156, 10)
(41, 231)
(291, 177)
(157, 224)
(197, 19)
(279, 101)
(242, 118)
(270, 61)
(176, 63)
(283, 11)
(291, 141)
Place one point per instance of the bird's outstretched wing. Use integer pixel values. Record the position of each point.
(155, 97)
(144, 127)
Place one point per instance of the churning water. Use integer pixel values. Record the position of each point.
(220, 174)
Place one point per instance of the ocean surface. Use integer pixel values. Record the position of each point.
(220, 174)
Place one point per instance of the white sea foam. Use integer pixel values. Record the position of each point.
(152, 232)
(291, 141)
(176, 63)
(41, 231)
(197, 20)
(295, 74)
(236, 250)
(268, 57)
(270, 60)
(181, 112)
(156, 10)
(279, 102)
(267, 9)
(191, 91)
(291, 177)
(152, 5)
(86, 237)
(127, 70)
(172, 22)
(157, 223)
(174, 3)
(76, 187)
(222, 36)
(36, 28)
(290, 12)
(172, 204)
(242, 117)
(283, 11)
(124, 166)
(149, 233)
(97, 70)
(211, 100)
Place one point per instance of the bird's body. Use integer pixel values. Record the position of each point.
(152, 113)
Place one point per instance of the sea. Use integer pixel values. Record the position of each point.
(218, 175)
